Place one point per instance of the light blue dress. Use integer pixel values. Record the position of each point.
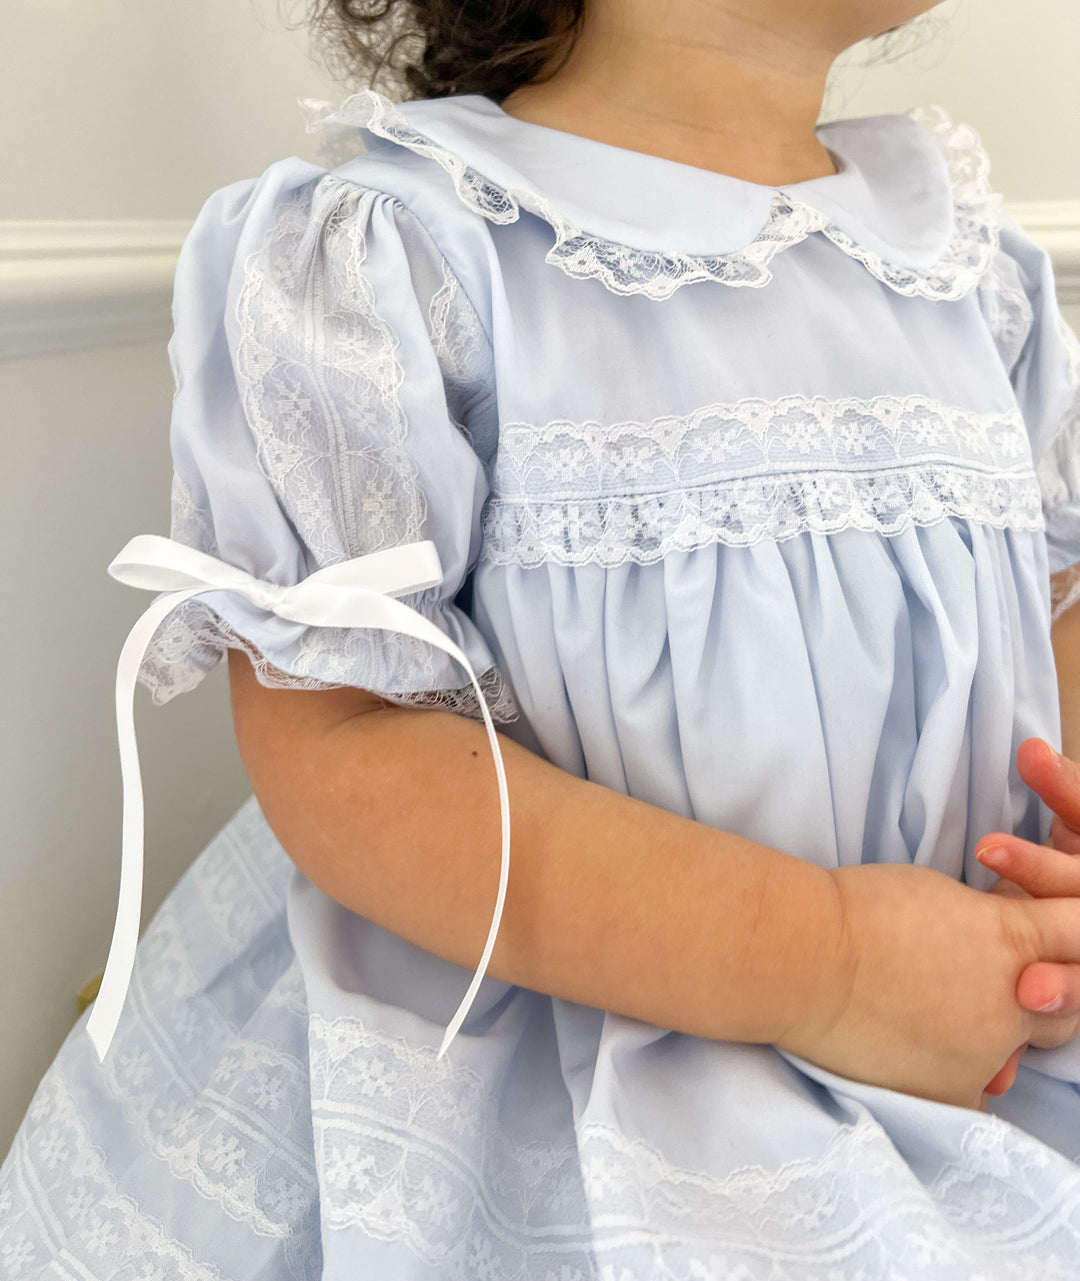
(747, 501)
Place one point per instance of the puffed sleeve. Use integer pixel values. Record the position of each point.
(1042, 353)
(333, 397)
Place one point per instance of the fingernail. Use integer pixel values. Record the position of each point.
(993, 856)
(1051, 1006)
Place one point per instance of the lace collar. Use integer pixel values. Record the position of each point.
(911, 199)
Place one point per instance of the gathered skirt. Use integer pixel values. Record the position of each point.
(273, 1109)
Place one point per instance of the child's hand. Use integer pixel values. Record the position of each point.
(1028, 866)
(924, 998)
(1028, 870)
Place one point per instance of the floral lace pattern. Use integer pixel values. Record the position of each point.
(1008, 311)
(466, 358)
(408, 1150)
(1058, 467)
(975, 209)
(749, 471)
(411, 1149)
(190, 524)
(324, 410)
(458, 338)
(212, 1099)
(341, 470)
(70, 1176)
(193, 639)
(1011, 319)
(624, 269)
(208, 1086)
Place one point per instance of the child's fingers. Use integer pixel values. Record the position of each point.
(1006, 1078)
(1063, 837)
(1041, 871)
(1052, 994)
(1045, 987)
(1055, 778)
(1006, 889)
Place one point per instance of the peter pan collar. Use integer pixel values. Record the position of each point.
(911, 199)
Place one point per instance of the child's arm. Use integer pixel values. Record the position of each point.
(393, 811)
(893, 974)
(1065, 638)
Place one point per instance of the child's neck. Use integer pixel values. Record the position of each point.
(749, 113)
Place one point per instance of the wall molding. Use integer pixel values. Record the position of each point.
(1055, 224)
(81, 285)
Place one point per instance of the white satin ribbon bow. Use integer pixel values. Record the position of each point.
(352, 593)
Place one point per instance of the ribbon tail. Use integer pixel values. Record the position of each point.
(504, 866)
(109, 1003)
(402, 571)
(380, 610)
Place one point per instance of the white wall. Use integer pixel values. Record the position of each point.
(1007, 67)
(120, 110)
(124, 110)
(129, 109)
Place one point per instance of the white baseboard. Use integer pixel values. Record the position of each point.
(73, 286)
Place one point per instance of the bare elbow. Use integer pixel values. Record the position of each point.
(282, 734)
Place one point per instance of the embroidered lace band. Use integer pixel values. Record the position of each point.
(352, 593)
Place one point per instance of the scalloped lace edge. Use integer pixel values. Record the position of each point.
(1064, 591)
(625, 269)
(412, 1150)
(201, 637)
(635, 490)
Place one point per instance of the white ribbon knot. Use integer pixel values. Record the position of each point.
(352, 593)
(267, 596)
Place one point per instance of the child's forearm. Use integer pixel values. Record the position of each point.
(1065, 637)
(611, 902)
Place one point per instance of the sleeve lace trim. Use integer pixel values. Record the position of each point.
(1064, 591)
(329, 431)
(195, 638)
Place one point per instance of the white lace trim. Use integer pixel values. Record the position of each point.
(233, 1136)
(214, 1101)
(457, 336)
(1011, 320)
(214, 1089)
(411, 1149)
(624, 269)
(194, 638)
(976, 206)
(324, 411)
(93, 1223)
(190, 523)
(1064, 591)
(408, 1149)
(749, 471)
(323, 407)
(1067, 336)
(1058, 468)
(1008, 311)
(466, 358)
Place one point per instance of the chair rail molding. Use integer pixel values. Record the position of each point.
(79, 285)
(83, 284)
(1055, 225)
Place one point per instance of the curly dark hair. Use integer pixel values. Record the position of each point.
(436, 48)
